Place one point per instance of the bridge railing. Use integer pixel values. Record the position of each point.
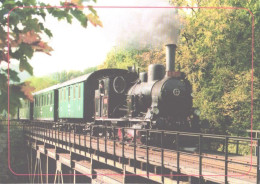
(232, 155)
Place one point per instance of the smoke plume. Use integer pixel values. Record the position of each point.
(141, 27)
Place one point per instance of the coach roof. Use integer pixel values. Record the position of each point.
(67, 83)
(75, 80)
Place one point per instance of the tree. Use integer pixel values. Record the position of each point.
(39, 83)
(216, 56)
(26, 26)
(129, 56)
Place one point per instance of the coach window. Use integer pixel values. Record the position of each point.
(51, 99)
(68, 93)
(79, 90)
(60, 94)
(64, 94)
(74, 92)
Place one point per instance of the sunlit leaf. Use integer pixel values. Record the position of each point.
(94, 20)
(42, 47)
(29, 37)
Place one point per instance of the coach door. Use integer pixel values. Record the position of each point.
(101, 99)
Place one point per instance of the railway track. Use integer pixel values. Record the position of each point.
(212, 164)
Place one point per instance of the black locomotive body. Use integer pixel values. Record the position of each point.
(160, 99)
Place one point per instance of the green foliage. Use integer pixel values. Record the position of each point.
(67, 75)
(119, 58)
(41, 82)
(89, 70)
(129, 56)
(216, 56)
(26, 27)
(244, 148)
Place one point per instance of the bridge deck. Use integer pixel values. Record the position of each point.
(135, 158)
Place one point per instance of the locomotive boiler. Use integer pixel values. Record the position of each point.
(164, 98)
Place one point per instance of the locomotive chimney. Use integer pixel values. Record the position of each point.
(170, 59)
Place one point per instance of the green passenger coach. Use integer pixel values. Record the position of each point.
(71, 101)
(44, 104)
(72, 98)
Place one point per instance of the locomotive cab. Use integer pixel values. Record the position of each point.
(110, 96)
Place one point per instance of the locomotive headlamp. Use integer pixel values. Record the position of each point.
(176, 92)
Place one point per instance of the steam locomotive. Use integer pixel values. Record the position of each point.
(160, 99)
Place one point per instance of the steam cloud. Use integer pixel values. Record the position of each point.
(141, 27)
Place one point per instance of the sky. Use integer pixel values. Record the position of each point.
(77, 48)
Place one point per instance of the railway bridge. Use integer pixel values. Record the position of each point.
(55, 155)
